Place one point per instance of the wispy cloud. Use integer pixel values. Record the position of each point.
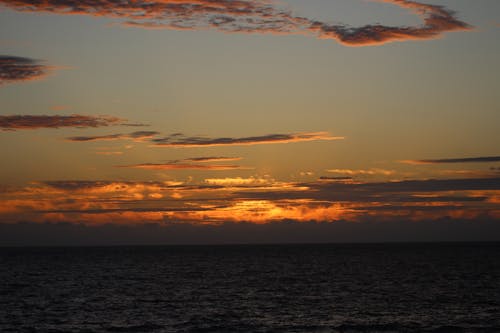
(18, 69)
(184, 166)
(485, 159)
(369, 172)
(193, 163)
(109, 153)
(60, 108)
(180, 141)
(212, 159)
(245, 16)
(239, 181)
(136, 136)
(23, 122)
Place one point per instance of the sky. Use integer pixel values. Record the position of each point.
(218, 121)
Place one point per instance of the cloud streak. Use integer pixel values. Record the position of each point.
(135, 136)
(212, 159)
(244, 16)
(179, 141)
(183, 166)
(370, 172)
(486, 159)
(24, 122)
(193, 163)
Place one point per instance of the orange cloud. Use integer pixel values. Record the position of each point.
(369, 172)
(256, 200)
(244, 16)
(109, 153)
(436, 21)
(238, 181)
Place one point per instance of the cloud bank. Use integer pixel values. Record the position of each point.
(18, 69)
(23, 122)
(254, 200)
(244, 16)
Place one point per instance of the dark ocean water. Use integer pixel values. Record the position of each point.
(260, 288)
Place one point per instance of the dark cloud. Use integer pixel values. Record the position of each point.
(186, 142)
(136, 136)
(485, 159)
(244, 16)
(436, 21)
(18, 122)
(212, 159)
(388, 192)
(18, 69)
(335, 179)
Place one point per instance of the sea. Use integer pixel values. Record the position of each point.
(434, 287)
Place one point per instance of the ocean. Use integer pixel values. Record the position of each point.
(435, 287)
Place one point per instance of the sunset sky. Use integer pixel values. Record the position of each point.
(218, 121)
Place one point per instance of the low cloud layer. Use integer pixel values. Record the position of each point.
(486, 159)
(257, 200)
(18, 69)
(181, 141)
(23, 122)
(244, 16)
(135, 136)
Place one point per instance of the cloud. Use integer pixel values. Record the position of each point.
(18, 69)
(188, 142)
(183, 166)
(370, 172)
(212, 159)
(60, 107)
(20, 122)
(436, 21)
(135, 136)
(257, 200)
(109, 153)
(239, 181)
(187, 164)
(486, 159)
(244, 16)
(335, 179)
